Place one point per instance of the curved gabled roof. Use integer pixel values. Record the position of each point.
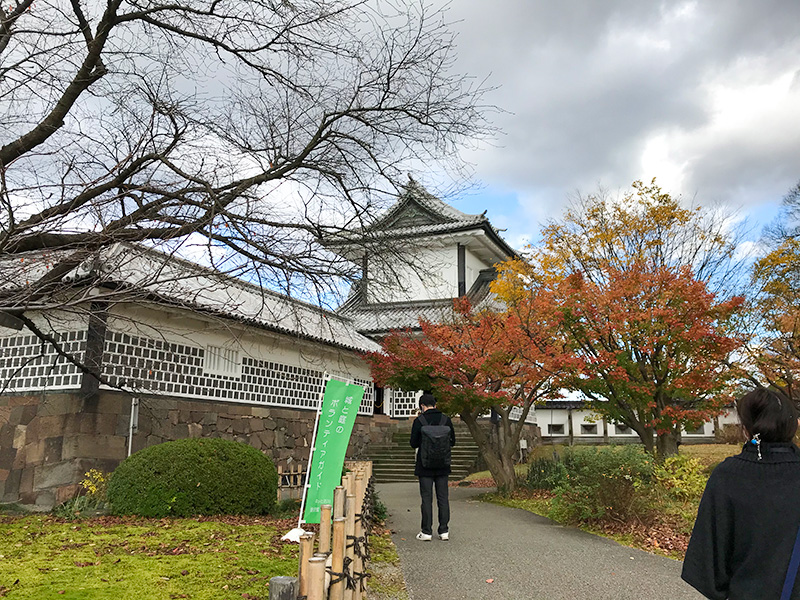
(417, 214)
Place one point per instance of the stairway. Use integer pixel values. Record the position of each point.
(395, 462)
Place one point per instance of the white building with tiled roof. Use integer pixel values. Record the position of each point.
(425, 253)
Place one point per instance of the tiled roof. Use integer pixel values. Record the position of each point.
(375, 319)
(438, 210)
(173, 280)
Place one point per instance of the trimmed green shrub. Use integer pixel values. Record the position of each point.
(604, 483)
(199, 476)
(683, 477)
(545, 474)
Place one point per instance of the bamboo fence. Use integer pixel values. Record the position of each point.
(337, 569)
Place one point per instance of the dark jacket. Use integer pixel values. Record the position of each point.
(746, 526)
(434, 417)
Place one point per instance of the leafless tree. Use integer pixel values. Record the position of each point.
(241, 130)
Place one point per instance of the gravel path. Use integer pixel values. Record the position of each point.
(526, 556)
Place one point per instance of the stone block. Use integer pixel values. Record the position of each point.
(28, 498)
(11, 489)
(238, 410)
(59, 405)
(5, 414)
(67, 492)
(256, 424)
(185, 416)
(7, 435)
(34, 453)
(47, 477)
(280, 439)
(19, 436)
(72, 424)
(224, 424)
(22, 400)
(240, 425)
(179, 431)
(53, 449)
(114, 405)
(26, 482)
(174, 417)
(4, 474)
(123, 425)
(20, 459)
(210, 418)
(106, 424)
(254, 441)
(261, 413)
(267, 438)
(94, 446)
(270, 424)
(7, 455)
(46, 499)
(195, 430)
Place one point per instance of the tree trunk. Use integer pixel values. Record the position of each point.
(667, 444)
(494, 452)
(646, 436)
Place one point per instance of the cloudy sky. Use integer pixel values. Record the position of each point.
(704, 95)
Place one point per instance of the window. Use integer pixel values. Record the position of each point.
(555, 429)
(589, 428)
(622, 429)
(221, 361)
(697, 431)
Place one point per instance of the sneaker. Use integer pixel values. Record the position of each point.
(424, 537)
(444, 536)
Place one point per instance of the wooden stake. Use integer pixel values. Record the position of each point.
(325, 529)
(337, 558)
(361, 488)
(316, 578)
(306, 552)
(338, 501)
(350, 531)
(358, 562)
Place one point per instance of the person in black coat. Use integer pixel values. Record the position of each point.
(428, 478)
(749, 516)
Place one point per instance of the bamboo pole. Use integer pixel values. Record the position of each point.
(361, 488)
(337, 558)
(338, 501)
(358, 561)
(306, 553)
(316, 578)
(325, 529)
(350, 531)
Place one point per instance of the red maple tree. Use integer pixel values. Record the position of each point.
(651, 345)
(479, 362)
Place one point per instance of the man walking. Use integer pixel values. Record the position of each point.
(433, 435)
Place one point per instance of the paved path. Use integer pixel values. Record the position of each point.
(528, 556)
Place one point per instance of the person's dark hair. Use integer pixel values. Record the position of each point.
(765, 412)
(427, 399)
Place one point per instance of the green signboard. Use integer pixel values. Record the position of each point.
(336, 418)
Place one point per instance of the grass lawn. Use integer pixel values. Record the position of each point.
(128, 558)
(711, 454)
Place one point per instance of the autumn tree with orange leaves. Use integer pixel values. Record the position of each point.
(632, 280)
(478, 362)
(776, 278)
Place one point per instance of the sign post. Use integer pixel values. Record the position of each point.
(336, 418)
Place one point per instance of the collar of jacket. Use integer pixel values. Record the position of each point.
(771, 452)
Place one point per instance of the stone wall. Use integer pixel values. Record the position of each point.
(48, 441)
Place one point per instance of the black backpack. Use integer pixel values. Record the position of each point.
(434, 447)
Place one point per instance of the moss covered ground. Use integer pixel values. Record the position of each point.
(115, 558)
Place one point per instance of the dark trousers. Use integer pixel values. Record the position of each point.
(442, 501)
